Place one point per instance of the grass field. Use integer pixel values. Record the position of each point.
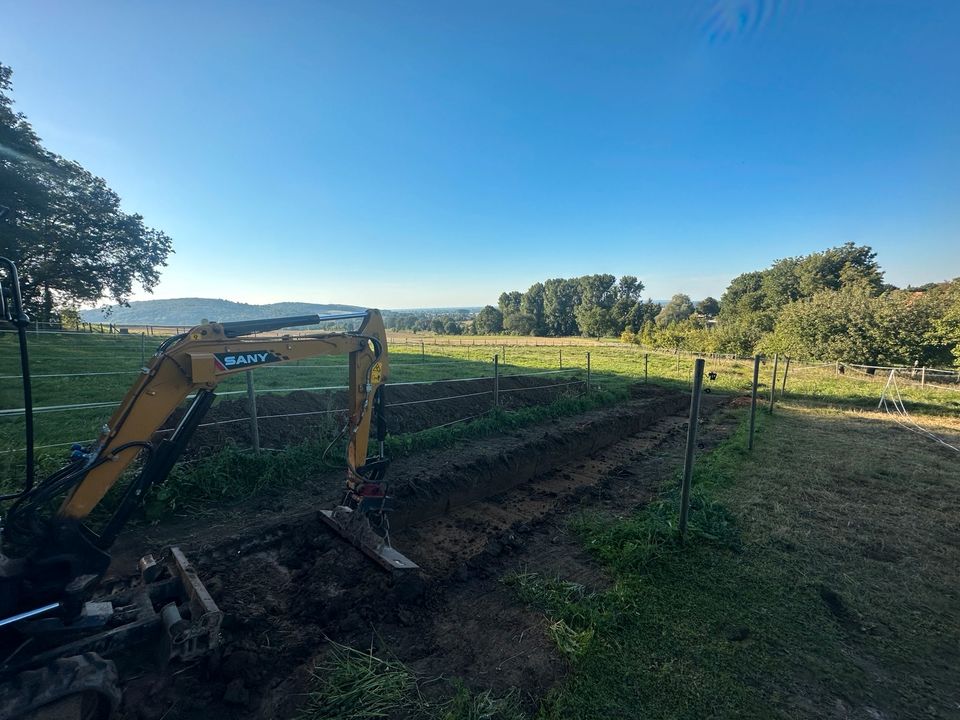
(819, 579)
(117, 359)
(821, 583)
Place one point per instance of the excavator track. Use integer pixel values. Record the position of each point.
(81, 687)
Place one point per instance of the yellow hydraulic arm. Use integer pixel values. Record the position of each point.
(195, 362)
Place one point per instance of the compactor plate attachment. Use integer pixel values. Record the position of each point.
(355, 528)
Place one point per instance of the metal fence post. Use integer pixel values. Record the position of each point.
(646, 359)
(252, 401)
(773, 382)
(423, 355)
(786, 369)
(496, 381)
(143, 356)
(691, 444)
(561, 358)
(753, 399)
(588, 371)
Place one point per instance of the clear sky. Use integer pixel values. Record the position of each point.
(403, 154)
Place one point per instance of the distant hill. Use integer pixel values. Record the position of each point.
(190, 311)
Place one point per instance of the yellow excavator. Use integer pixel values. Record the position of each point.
(56, 634)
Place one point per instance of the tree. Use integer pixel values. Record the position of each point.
(627, 311)
(71, 241)
(560, 297)
(532, 304)
(708, 307)
(856, 326)
(751, 304)
(594, 321)
(452, 327)
(597, 296)
(944, 330)
(839, 267)
(519, 324)
(489, 321)
(509, 303)
(679, 308)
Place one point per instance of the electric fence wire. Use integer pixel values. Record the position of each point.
(891, 396)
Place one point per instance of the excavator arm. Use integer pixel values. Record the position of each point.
(190, 366)
(193, 364)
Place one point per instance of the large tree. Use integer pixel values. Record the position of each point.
(532, 304)
(751, 304)
(71, 241)
(679, 308)
(708, 307)
(594, 313)
(627, 312)
(854, 325)
(489, 321)
(560, 297)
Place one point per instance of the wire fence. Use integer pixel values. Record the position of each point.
(254, 418)
(467, 359)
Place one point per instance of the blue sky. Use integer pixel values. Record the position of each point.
(401, 154)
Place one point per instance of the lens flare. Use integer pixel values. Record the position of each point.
(726, 19)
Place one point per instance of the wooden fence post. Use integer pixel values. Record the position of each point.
(588, 372)
(753, 400)
(252, 401)
(496, 381)
(786, 369)
(773, 382)
(691, 444)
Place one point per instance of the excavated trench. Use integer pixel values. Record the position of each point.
(287, 585)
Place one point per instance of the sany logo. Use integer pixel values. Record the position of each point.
(232, 361)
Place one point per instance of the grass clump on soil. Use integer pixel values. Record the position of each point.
(350, 684)
(500, 420)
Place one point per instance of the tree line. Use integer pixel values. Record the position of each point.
(833, 305)
(597, 305)
(590, 305)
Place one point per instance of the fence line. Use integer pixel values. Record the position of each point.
(248, 418)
